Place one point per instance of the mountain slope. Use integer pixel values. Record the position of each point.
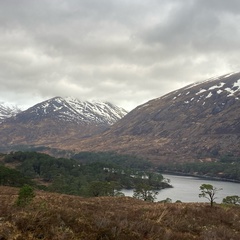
(7, 111)
(197, 122)
(53, 122)
(73, 110)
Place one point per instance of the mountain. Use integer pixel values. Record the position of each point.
(7, 111)
(199, 122)
(53, 122)
(72, 110)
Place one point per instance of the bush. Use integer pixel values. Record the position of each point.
(25, 195)
(232, 200)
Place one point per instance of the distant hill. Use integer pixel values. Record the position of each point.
(198, 122)
(53, 122)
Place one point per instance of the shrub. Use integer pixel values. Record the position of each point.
(25, 195)
(232, 200)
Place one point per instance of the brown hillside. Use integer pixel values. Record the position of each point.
(55, 216)
(198, 122)
(53, 122)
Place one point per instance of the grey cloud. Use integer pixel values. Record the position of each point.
(197, 25)
(125, 52)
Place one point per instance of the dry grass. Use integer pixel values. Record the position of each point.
(58, 216)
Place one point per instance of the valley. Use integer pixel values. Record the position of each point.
(98, 149)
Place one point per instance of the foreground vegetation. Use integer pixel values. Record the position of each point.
(59, 216)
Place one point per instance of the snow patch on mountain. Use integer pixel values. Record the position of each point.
(217, 86)
(8, 110)
(213, 79)
(237, 84)
(201, 91)
(209, 95)
(228, 84)
(73, 110)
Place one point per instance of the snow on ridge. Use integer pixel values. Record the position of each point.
(217, 86)
(232, 91)
(205, 89)
(8, 110)
(220, 86)
(73, 110)
(237, 84)
(209, 89)
(101, 111)
(201, 82)
(228, 75)
(9, 106)
(210, 80)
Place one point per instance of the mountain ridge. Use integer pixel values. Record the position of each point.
(53, 122)
(8, 110)
(73, 110)
(198, 122)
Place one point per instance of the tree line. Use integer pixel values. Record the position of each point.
(226, 167)
(86, 174)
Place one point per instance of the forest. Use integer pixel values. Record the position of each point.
(86, 174)
(226, 167)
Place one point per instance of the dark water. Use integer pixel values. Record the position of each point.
(186, 189)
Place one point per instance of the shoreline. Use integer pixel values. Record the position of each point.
(200, 176)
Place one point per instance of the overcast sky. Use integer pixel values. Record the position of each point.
(123, 51)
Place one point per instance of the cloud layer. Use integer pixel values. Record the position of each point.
(125, 52)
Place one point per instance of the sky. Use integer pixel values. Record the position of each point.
(121, 51)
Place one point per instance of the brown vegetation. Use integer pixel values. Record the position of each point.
(194, 123)
(57, 216)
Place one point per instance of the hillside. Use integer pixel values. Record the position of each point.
(56, 121)
(57, 216)
(200, 122)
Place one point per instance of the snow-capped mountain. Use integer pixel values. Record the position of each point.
(58, 122)
(8, 110)
(198, 122)
(73, 110)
